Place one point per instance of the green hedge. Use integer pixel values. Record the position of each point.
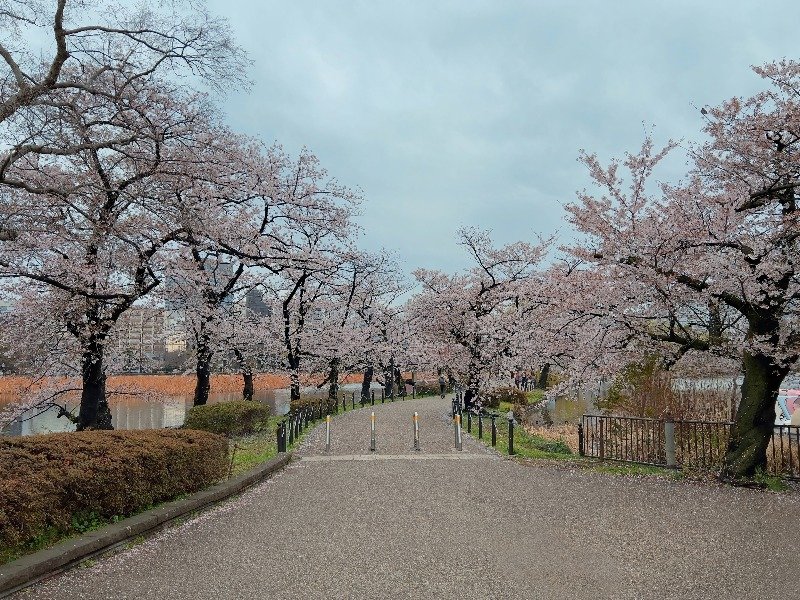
(314, 402)
(57, 484)
(512, 395)
(228, 418)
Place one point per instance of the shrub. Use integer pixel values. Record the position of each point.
(60, 481)
(314, 402)
(512, 395)
(426, 387)
(228, 418)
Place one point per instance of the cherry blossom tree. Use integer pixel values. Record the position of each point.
(710, 265)
(93, 226)
(89, 39)
(479, 310)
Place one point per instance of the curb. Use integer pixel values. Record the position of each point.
(30, 569)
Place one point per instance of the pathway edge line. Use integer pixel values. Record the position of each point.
(29, 569)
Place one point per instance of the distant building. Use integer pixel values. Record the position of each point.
(254, 301)
(140, 338)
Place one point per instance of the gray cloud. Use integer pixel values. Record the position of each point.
(473, 112)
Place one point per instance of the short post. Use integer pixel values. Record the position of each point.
(510, 418)
(372, 396)
(581, 447)
(469, 421)
(328, 433)
(457, 426)
(297, 426)
(480, 426)
(416, 431)
(372, 432)
(344, 403)
(494, 430)
(279, 438)
(413, 390)
(354, 400)
(383, 394)
(291, 429)
(669, 441)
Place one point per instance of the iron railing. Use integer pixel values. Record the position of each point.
(680, 443)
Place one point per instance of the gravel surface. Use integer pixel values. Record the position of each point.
(404, 524)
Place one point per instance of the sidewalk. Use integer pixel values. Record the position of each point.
(406, 524)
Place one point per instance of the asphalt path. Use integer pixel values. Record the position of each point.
(439, 523)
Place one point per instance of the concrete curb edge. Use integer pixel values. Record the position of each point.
(29, 569)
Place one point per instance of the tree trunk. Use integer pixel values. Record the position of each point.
(542, 383)
(294, 384)
(755, 418)
(388, 379)
(203, 370)
(366, 383)
(401, 384)
(333, 380)
(94, 412)
(248, 390)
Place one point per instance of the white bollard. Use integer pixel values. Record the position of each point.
(328, 433)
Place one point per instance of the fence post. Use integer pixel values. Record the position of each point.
(469, 421)
(279, 439)
(413, 391)
(494, 431)
(372, 395)
(354, 400)
(669, 440)
(581, 448)
(602, 442)
(480, 426)
(511, 434)
(291, 429)
(383, 393)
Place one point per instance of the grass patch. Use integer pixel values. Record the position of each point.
(526, 445)
(635, 469)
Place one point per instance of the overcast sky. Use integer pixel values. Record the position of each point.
(452, 113)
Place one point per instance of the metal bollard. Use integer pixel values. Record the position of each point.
(372, 433)
(457, 426)
(581, 447)
(494, 431)
(373, 397)
(416, 431)
(469, 421)
(328, 433)
(279, 439)
(511, 436)
(480, 426)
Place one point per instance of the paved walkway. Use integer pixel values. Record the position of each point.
(443, 524)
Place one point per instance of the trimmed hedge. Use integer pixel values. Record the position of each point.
(52, 483)
(314, 402)
(512, 395)
(238, 417)
(426, 387)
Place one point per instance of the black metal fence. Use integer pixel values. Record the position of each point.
(680, 443)
(295, 422)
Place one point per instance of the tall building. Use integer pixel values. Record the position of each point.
(140, 338)
(254, 301)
